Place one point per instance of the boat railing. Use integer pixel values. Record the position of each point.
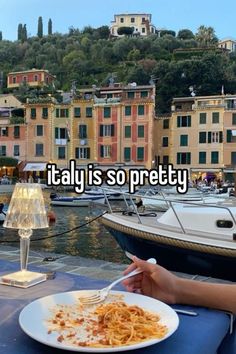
(170, 202)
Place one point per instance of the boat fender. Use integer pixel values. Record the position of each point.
(51, 217)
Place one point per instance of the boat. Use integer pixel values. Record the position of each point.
(2, 213)
(75, 201)
(107, 192)
(188, 237)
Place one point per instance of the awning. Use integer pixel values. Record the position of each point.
(206, 170)
(35, 167)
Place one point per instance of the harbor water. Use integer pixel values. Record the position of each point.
(90, 241)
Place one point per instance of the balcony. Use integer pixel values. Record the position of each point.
(106, 101)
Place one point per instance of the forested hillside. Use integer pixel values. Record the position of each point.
(90, 57)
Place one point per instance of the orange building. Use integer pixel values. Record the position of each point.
(33, 78)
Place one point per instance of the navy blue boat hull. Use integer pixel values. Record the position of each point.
(176, 258)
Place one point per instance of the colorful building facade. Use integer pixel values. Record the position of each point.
(141, 24)
(33, 78)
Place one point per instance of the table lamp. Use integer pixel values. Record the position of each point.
(26, 212)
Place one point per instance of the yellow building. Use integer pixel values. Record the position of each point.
(141, 24)
(228, 44)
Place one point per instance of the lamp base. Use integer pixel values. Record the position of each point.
(23, 279)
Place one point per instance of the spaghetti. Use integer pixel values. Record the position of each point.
(107, 325)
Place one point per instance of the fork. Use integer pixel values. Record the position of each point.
(101, 294)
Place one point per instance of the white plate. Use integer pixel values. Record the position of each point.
(33, 319)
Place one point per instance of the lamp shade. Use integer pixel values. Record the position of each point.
(26, 209)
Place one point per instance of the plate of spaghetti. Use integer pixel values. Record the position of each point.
(124, 321)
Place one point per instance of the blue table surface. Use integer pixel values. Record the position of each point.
(206, 334)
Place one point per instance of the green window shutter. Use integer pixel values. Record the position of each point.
(112, 130)
(77, 112)
(165, 141)
(220, 137)
(128, 131)
(44, 112)
(127, 153)
(209, 137)
(166, 123)
(140, 110)
(233, 118)
(67, 113)
(33, 113)
(89, 112)
(215, 117)
(144, 94)
(202, 118)
(56, 133)
(189, 118)
(140, 153)
(202, 137)
(101, 130)
(107, 112)
(128, 110)
(202, 157)
(183, 140)
(101, 151)
(88, 153)
(57, 112)
(229, 136)
(130, 94)
(178, 158)
(178, 121)
(188, 158)
(214, 157)
(140, 131)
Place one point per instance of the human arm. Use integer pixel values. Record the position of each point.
(157, 282)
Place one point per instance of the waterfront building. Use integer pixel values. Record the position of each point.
(39, 141)
(33, 78)
(200, 136)
(228, 44)
(141, 23)
(12, 135)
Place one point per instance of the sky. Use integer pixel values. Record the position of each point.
(166, 14)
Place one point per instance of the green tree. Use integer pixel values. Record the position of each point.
(24, 35)
(185, 34)
(127, 31)
(19, 32)
(206, 37)
(49, 27)
(103, 32)
(167, 32)
(0, 35)
(40, 27)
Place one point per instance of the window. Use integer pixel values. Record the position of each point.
(61, 152)
(128, 131)
(82, 131)
(183, 158)
(122, 20)
(215, 117)
(127, 153)
(202, 137)
(165, 159)
(233, 158)
(166, 123)
(128, 110)
(3, 150)
(39, 130)
(82, 153)
(143, 29)
(140, 131)
(183, 140)
(44, 112)
(144, 94)
(202, 157)
(105, 151)
(132, 20)
(130, 94)
(109, 95)
(234, 119)
(183, 121)
(60, 133)
(107, 130)
(35, 77)
(33, 113)
(140, 153)
(14, 80)
(140, 110)
(143, 19)
(16, 150)
(39, 149)
(202, 118)
(16, 131)
(4, 131)
(214, 157)
(62, 112)
(89, 112)
(165, 141)
(107, 112)
(215, 137)
(24, 79)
